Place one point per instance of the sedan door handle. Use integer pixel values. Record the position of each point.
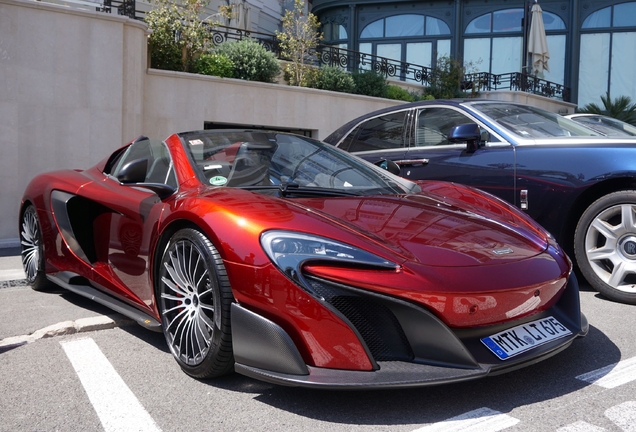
(412, 162)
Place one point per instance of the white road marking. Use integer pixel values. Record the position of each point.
(613, 375)
(117, 407)
(479, 420)
(623, 416)
(580, 426)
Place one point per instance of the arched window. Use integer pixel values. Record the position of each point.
(411, 38)
(608, 53)
(335, 34)
(493, 43)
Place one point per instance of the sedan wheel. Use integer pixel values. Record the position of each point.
(194, 302)
(32, 251)
(605, 246)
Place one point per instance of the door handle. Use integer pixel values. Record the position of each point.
(405, 162)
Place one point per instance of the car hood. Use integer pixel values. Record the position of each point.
(434, 231)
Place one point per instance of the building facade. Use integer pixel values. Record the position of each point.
(592, 44)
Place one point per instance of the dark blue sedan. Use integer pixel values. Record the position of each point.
(579, 185)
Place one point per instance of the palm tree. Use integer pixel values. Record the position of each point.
(620, 108)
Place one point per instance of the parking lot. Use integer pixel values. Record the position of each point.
(119, 376)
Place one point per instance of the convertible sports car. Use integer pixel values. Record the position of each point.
(293, 262)
(579, 185)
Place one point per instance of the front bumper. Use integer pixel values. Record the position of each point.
(440, 355)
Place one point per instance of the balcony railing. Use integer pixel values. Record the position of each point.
(329, 55)
(221, 34)
(518, 81)
(120, 7)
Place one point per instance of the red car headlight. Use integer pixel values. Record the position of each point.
(289, 251)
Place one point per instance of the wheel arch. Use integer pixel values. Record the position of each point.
(164, 237)
(584, 200)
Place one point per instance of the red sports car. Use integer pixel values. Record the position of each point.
(293, 262)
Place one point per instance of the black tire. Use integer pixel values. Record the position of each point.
(32, 251)
(194, 298)
(605, 246)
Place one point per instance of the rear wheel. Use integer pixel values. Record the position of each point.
(194, 296)
(605, 246)
(32, 251)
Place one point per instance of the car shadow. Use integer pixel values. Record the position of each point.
(552, 378)
(153, 338)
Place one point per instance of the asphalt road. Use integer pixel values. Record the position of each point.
(122, 377)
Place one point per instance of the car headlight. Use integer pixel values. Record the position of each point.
(290, 250)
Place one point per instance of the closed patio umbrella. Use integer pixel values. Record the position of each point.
(537, 42)
(240, 14)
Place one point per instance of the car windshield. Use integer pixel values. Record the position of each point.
(273, 161)
(607, 126)
(531, 123)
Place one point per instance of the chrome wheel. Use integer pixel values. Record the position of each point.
(194, 301)
(605, 245)
(30, 244)
(610, 247)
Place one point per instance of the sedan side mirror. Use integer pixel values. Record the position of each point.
(469, 133)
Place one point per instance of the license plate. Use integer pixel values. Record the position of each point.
(524, 337)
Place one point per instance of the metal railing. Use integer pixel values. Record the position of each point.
(484, 81)
(330, 55)
(120, 7)
(221, 34)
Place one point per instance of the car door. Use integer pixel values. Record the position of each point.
(431, 156)
(126, 228)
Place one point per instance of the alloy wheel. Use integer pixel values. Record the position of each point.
(188, 304)
(30, 244)
(610, 246)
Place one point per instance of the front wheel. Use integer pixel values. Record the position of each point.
(31, 250)
(194, 298)
(605, 246)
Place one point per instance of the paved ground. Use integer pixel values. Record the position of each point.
(10, 267)
(43, 315)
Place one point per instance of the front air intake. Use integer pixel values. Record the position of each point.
(376, 324)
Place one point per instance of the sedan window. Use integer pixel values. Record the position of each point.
(434, 125)
(531, 123)
(379, 133)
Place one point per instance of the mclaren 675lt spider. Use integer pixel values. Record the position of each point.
(293, 262)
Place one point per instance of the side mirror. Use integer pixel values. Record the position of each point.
(389, 165)
(469, 133)
(133, 172)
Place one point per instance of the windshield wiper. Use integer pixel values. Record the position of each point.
(291, 188)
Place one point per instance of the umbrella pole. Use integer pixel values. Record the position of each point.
(526, 68)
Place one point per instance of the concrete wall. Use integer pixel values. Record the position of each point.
(71, 89)
(74, 85)
(177, 101)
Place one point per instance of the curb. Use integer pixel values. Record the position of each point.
(102, 322)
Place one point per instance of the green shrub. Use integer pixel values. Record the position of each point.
(214, 64)
(447, 79)
(251, 60)
(332, 78)
(370, 83)
(178, 35)
(398, 93)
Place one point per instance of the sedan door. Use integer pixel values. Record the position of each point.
(430, 155)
